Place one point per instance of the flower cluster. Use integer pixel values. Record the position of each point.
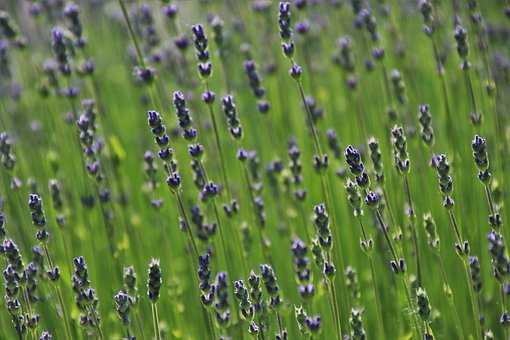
(59, 46)
(401, 157)
(296, 168)
(356, 323)
(376, 157)
(165, 152)
(479, 147)
(85, 296)
(203, 230)
(425, 120)
(499, 259)
(38, 217)
(271, 284)
(324, 238)
(442, 166)
(308, 324)
(154, 280)
(229, 108)
(6, 156)
(201, 45)
(221, 303)
(302, 269)
(242, 295)
(204, 279)
(72, 14)
(259, 304)
(356, 167)
(460, 36)
(183, 115)
(91, 146)
(255, 82)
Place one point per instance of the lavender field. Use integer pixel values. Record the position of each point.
(254, 169)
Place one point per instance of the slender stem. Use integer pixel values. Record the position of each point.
(444, 87)
(95, 321)
(26, 299)
(338, 327)
(335, 306)
(386, 236)
(59, 294)
(362, 227)
(411, 305)
(138, 50)
(220, 150)
(503, 308)
(222, 238)
(226, 78)
(210, 323)
(379, 314)
(304, 220)
(414, 234)
(387, 91)
(156, 314)
(489, 200)
(186, 221)
(450, 297)
(154, 321)
(110, 231)
(387, 201)
(453, 223)
(373, 280)
(132, 33)
(315, 134)
(100, 330)
(280, 325)
(64, 313)
(139, 324)
(474, 307)
(265, 255)
(360, 116)
(402, 275)
(469, 85)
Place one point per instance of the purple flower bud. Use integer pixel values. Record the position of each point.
(208, 97)
(295, 71)
(205, 69)
(170, 11)
(181, 42)
(303, 27)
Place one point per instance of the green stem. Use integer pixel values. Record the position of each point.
(259, 226)
(402, 275)
(184, 216)
(220, 150)
(474, 306)
(450, 297)
(155, 324)
(380, 318)
(64, 313)
(380, 322)
(332, 302)
(316, 141)
(414, 233)
(132, 33)
(139, 325)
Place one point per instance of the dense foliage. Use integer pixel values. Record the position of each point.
(318, 169)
